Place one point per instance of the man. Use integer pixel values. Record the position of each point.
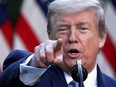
(76, 30)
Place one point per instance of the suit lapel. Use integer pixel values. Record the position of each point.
(100, 81)
(53, 77)
(57, 77)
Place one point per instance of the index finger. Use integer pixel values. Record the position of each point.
(52, 49)
(58, 45)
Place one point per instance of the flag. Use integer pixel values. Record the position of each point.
(23, 26)
(107, 57)
(5, 32)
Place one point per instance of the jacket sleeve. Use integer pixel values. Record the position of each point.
(10, 75)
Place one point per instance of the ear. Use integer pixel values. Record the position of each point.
(102, 40)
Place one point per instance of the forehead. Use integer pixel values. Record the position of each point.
(82, 16)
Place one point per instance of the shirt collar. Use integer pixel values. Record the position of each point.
(92, 78)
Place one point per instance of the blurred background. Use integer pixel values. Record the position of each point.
(23, 26)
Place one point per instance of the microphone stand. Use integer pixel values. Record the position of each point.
(80, 73)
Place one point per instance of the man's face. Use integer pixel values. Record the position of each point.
(80, 38)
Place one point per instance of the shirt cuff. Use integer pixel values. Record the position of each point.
(30, 75)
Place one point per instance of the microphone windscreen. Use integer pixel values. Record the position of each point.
(74, 73)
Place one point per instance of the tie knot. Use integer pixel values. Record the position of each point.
(73, 84)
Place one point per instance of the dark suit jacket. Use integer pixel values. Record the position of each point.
(53, 77)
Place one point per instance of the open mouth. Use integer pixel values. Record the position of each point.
(73, 53)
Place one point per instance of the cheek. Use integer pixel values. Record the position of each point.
(63, 36)
(91, 44)
(90, 48)
(90, 41)
(90, 51)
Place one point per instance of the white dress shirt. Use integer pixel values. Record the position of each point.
(29, 75)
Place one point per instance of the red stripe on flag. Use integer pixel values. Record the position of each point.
(8, 33)
(0, 68)
(109, 51)
(26, 33)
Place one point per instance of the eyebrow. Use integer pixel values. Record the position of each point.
(77, 24)
(63, 25)
(63, 22)
(82, 23)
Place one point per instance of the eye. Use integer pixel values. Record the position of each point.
(62, 29)
(83, 29)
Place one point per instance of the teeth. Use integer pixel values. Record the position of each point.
(73, 53)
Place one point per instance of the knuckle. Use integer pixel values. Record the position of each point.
(49, 49)
(36, 48)
(49, 52)
(43, 65)
(42, 53)
(43, 59)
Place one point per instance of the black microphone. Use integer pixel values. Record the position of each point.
(79, 74)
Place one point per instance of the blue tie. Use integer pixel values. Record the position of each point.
(73, 84)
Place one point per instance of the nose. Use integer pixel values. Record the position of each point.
(73, 36)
